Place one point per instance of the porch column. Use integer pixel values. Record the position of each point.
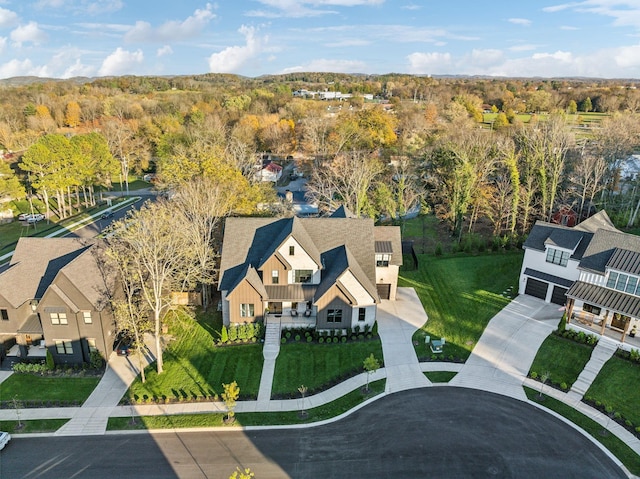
(626, 329)
(604, 322)
(570, 303)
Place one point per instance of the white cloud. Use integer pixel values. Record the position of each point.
(121, 62)
(173, 30)
(8, 18)
(43, 4)
(520, 21)
(485, 57)
(29, 33)
(348, 43)
(299, 8)
(325, 65)
(77, 69)
(624, 12)
(165, 50)
(433, 62)
(411, 7)
(232, 58)
(627, 57)
(567, 27)
(102, 6)
(525, 47)
(14, 68)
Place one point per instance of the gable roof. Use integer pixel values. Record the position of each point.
(596, 222)
(343, 212)
(544, 233)
(35, 264)
(252, 241)
(602, 247)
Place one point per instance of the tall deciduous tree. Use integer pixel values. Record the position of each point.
(10, 186)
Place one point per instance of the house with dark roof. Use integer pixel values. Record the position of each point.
(593, 268)
(328, 273)
(53, 296)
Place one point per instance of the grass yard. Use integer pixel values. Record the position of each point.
(460, 295)
(440, 376)
(619, 449)
(195, 367)
(32, 426)
(326, 411)
(617, 386)
(318, 366)
(29, 387)
(562, 358)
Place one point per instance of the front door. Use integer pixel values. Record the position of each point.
(275, 308)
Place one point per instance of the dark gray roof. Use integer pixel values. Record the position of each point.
(342, 212)
(544, 233)
(625, 260)
(602, 247)
(566, 239)
(383, 247)
(550, 278)
(613, 300)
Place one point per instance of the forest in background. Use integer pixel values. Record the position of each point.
(483, 154)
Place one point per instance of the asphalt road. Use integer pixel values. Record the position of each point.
(436, 432)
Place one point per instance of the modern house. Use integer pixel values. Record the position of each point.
(327, 273)
(593, 268)
(53, 295)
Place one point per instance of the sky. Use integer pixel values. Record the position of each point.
(515, 38)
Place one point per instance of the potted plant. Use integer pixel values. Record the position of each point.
(634, 330)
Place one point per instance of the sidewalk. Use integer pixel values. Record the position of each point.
(499, 363)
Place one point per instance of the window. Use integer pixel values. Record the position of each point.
(4, 314)
(556, 256)
(275, 279)
(334, 316)
(292, 250)
(590, 308)
(624, 282)
(362, 314)
(63, 346)
(86, 315)
(382, 260)
(58, 318)
(91, 342)
(302, 276)
(246, 310)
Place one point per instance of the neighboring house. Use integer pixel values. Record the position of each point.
(271, 172)
(592, 268)
(53, 296)
(325, 272)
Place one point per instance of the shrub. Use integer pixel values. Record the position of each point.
(343, 339)
(563, 323)
(49, 361)
(564, 386)
(360, 337)
(321, 339)
(438, 251)
(628, 423)
(335, 339)
(374, 330)
(297, 338)
(309, 338)
(96, 360)
(33, 368)
(533, 375)
(283, 340)
(224, 334)
(233, 333)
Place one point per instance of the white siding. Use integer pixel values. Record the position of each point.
(388, 275)
(537, 260)
(593, 278)
(299, 260)
(370, 317)
(356, 289)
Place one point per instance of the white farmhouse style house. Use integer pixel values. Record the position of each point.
(593, 268)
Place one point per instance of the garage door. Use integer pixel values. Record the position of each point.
(384, 290)
(536, 288)
(558, 295)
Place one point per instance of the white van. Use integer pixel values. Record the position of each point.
(5, 437)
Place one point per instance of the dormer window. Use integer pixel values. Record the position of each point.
(382, 260)
(556, 256)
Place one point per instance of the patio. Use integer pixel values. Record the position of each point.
(33, 351)
(288, 321)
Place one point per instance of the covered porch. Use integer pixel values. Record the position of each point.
(604, 311)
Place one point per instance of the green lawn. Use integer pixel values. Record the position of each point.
(319, 413)
(32, 426)
(194, 366)
(617, 386)
(440, 376)
(618, 448)
(318, 366)
(562, 358)
(28, 387)
(460, 295)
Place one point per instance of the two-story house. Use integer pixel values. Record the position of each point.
(327, 272)
(592, 268)
(53, 295)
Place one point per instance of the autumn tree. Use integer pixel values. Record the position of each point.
(72, 114)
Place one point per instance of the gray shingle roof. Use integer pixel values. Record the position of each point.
(603, 246)
(251, 241)
(596, 222)
(566, 239)
(562, 235)
(610, 299)
(35, 264)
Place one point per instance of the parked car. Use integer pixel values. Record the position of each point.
(34, 218)
(5, 437)
(124, 344)
(23, 216)
(106, 214)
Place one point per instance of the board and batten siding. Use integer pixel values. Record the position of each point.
(274, 264)
(244, 293)
(334, 299)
